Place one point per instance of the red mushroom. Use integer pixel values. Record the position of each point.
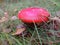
(33, 14)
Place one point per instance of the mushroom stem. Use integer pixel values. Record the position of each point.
(31, 25)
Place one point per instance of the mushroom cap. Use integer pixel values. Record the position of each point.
(33, 14)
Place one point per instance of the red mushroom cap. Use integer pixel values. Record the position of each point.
(33, 14)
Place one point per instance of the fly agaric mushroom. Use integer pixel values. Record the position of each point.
(33, 15)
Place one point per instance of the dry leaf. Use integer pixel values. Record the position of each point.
(6, 30)
(19, 31)
(3, 19)
(6, 14)
(20, 28)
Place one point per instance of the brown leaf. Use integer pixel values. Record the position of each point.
(6, 14)
(6, 30)
(19, 31)
(3, 19)
(20, 28)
